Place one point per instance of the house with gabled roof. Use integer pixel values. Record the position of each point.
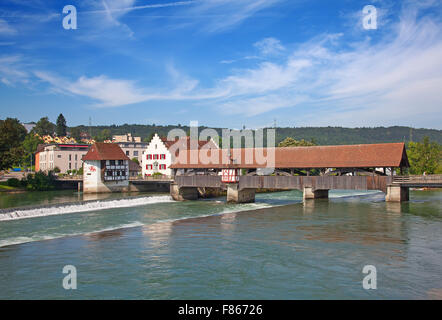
(106, 169)
(160, 153)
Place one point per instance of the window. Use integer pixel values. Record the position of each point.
(163, 156)
(148, 167)
(120, 162)
(70, 166)
(70, 158)
(155, 157)
(162, 167)
(127, 152)
(59, 156)
(136, 153)
(112, 162)
(149, 157)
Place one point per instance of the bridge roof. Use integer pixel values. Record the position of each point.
(342, 156)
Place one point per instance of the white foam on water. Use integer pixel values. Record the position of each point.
(355, 193)
(101, 205)
(237, 209)
(21, 240)
(84, 207)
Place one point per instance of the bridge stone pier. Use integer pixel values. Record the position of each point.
(237, 195)
(180, 193)
(397, 193)
(310, 193)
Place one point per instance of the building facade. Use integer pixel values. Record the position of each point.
(131, 146)
(106, 169)
(62, 156)
(157, 157)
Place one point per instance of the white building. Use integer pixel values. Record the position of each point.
(62, 156)
(157, 157)
(106, 169)
(133, 147)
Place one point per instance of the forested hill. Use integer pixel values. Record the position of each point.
(338, 135)
(320, 135)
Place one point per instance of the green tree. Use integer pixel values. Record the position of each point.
(44, 127)
(105, 134)
(290, 142)
(424, 156)
(61, 126)
(30, 144)
(76, 134)
(12, 133)
(39, 181)
(136, 161)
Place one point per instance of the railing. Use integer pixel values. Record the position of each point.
(421, 179)
(151, 178)
(69, 177)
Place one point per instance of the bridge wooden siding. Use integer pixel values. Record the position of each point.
(419, 181)
(292, 182)
(316, 182)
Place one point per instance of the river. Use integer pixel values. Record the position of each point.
(148, 247)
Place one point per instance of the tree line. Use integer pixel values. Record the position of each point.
(423, 145)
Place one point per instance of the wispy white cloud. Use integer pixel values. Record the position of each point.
(269, 46)
(6, 28)
(121, 7)
(107, 92)
(219, 15)
(13, 70)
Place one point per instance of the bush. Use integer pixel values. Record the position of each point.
(14, 182)
(57, 170)
(40, 181)
(80, 171)
(157, 174)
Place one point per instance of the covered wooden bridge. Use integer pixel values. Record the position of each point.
(314, 170)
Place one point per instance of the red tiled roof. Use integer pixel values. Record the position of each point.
(105, 151)
(343, 156)
(169, 143)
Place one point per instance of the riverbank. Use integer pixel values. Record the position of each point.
(4, 188)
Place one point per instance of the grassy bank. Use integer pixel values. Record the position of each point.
(5, 188)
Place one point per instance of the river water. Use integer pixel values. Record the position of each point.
(149, 247)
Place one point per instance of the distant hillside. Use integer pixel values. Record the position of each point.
(338, 135)
(320, 135)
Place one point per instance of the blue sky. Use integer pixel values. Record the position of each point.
(224, 63)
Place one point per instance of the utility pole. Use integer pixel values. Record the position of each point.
(90, 128)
